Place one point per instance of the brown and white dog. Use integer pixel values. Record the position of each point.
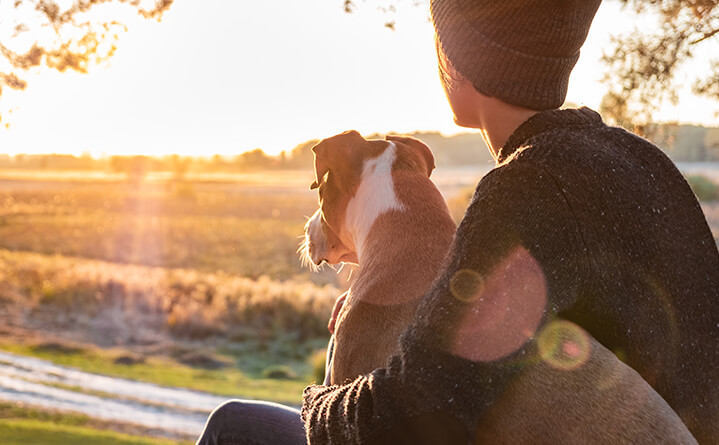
(379, 209)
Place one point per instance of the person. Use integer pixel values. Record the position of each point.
(578, 221)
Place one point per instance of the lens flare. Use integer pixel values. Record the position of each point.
(466, 285)
(563, 345)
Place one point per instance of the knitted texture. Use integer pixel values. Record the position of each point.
(626, 253)
(519, 51)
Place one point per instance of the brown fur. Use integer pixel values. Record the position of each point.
(384, 296)
(388, 285)
(604, 401)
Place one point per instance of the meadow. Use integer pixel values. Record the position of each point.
(192, 283)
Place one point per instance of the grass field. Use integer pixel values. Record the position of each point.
(190, 259)
(243, 228)
(22, 426)
(23, 432)
(192, 283)
(240, 374)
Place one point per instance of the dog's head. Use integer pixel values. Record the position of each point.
(341, 167)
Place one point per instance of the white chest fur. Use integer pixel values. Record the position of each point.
(374, 196)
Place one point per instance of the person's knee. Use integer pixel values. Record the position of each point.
(225, 418)
(247, 421)
(227, 414)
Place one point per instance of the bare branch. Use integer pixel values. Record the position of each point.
(707, 35)
(12, 81)
(25, 61)
(709, 86)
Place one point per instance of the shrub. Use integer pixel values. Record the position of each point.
(703, 187)
(458, 204)
(279, 372)
(317, 363)
(140, 302)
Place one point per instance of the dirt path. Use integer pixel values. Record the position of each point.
(43, 384)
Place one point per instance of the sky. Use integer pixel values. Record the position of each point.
(220, 77)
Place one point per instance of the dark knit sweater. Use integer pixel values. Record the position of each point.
(626, 253)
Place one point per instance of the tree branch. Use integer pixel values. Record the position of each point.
(12, 81)
(707, 35)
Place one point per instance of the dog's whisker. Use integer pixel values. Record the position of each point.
(305, 260)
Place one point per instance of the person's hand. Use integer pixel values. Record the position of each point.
(335, 312)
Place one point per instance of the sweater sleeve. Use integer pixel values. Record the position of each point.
(514, 264)
(348, 414)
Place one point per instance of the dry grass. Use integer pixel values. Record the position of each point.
(126, 304)
(198, 282)
(245, 229)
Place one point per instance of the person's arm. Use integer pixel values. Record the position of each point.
(514, 264)
(347, 414)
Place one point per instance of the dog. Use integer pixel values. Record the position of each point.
(380, 210)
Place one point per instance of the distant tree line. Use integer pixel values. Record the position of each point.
(687, 143)
(683, 143)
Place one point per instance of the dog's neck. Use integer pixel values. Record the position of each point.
(374, 197)
(404, 249)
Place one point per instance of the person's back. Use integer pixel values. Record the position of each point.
(648, 265)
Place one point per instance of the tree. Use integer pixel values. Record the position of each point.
(254, 159)
(179, 166)
(135, 168)
(641, 67)
(62, 36)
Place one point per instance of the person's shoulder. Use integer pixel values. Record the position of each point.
(576, 146)
(514, 177)
(599, 135)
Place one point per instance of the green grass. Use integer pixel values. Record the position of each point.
(704, 188)
(23, 425)
(18, 411)
(28, 431)
(230, 382)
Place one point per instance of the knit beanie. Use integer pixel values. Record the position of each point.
(519, 51)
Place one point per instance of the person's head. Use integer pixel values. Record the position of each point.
(519, 52)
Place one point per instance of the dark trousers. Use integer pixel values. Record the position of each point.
(249, 422)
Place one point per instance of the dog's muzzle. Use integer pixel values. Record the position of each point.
(315, 240)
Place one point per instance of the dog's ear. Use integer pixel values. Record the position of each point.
(342, 157)
(420, 147)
